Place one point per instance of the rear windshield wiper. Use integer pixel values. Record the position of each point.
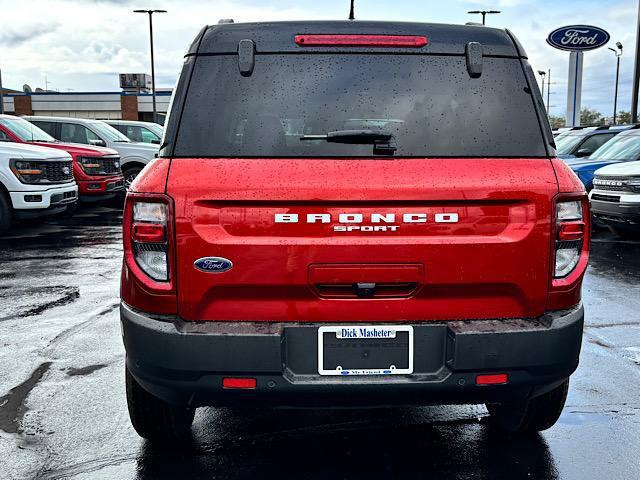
(383, 142)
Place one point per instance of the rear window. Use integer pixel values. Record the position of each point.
(429, 103)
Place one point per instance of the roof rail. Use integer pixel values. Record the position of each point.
(225, 20)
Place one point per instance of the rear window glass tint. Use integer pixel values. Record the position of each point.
(429, 103)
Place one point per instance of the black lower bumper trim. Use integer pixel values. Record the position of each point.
(44, 212)
(615, 212)
(91, 198)
(185, 362)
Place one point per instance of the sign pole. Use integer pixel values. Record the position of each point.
(574, 89)
(576, 39)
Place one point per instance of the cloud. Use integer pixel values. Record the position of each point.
(83, 44)
(13, 36)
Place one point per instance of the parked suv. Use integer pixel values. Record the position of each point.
(576, 146)
(143, 132)
(581, 142)
(34, 181)
(96, 170)
(433, 252)
(624, 147)
(615, 198)
(133, 156)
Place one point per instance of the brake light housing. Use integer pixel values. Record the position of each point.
(571, 228)
(148, 279)
(334, 40)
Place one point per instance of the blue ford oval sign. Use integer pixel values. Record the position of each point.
(578, 38)
(213, 264)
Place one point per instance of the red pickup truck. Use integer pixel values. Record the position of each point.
(353, 213)
(96, 169)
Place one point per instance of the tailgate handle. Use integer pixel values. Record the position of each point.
(366, 280)
(365, 290)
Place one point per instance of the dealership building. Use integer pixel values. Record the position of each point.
(133, 102)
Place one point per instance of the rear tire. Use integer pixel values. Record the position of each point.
(6, 214)
(533, 415)
(130, 175)
(155, 419)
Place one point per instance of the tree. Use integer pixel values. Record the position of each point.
(556, 122)
(623, 117)
(590, 116)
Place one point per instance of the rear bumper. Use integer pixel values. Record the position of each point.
(184, 362)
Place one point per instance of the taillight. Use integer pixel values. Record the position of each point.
(149, 239)
(571, 229)
(148, 275)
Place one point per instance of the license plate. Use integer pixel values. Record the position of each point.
(365, 350)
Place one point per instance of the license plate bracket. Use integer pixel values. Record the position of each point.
(353, 350)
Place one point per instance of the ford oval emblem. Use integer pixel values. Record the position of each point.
(213, 264)
(578, 38)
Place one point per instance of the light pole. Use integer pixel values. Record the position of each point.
(153, 70)
(636, 75)
(548, 91)
(484, 13)
(618, 54)
(542, 74)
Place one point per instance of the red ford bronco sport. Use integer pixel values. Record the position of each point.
(353, 213)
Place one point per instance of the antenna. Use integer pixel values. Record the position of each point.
(351, 14)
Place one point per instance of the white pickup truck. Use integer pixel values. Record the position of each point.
(34, 181)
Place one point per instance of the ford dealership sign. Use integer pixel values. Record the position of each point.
(578, 38)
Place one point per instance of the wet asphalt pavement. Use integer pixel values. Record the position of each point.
(63, 411)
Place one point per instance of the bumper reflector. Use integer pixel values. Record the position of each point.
(493, 379)
(244, 383)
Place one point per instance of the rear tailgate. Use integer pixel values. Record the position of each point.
(440, 238)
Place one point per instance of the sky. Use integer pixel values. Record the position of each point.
(81, 45)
